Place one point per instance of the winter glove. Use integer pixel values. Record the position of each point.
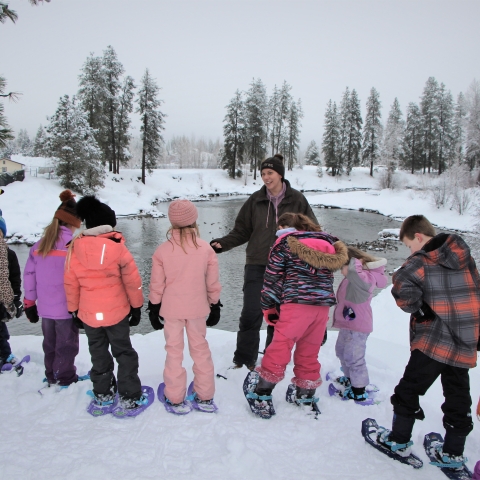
(216, 249)
(424, 314)
(154, 315)
(325, 336)
(271, 316)
(19, 306)
(214, 316)
(32, 314)
(348, 313)
(134, 316)
(10, 311)
(77, 321)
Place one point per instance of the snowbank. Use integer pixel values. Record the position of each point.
(52, 437)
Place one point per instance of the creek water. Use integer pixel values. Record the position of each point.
(216, 218)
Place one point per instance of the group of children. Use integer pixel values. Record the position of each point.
(91, 281)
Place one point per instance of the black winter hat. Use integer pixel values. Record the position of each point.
(275, 163)
(95, 213)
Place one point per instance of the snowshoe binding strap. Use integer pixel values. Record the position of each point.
(262, 398)
(307, 400)
(383, 435)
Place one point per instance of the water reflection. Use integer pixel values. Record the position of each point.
(216, 218)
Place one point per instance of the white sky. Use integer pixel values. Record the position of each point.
(201, 51)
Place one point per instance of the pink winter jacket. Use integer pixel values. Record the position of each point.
(184, 282)
(356, 291)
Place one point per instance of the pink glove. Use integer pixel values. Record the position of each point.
(271, 316)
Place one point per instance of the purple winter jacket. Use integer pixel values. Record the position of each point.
(43, 278)
(356, 291)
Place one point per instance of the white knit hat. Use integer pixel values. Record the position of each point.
(182, 213)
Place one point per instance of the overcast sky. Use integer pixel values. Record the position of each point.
(201, 51)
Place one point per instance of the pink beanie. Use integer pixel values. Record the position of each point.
(182, 213)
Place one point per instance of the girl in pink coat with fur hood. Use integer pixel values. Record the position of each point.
(185, 294)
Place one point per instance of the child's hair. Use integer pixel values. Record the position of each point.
(184, 231)
(416, 224)
(298, 221)
(364, 257)
(50, 236)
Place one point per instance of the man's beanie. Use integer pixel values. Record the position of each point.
(95, 213)
(274, 163)
(66, 212)
(3, 225)
(182, 213)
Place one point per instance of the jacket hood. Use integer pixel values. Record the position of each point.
(380, 262)
(97, 252)
(448, 250)
(315, 257)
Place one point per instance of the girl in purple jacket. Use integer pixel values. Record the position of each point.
(353, 316)
(45, 294)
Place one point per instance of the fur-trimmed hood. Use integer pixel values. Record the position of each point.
(319, 258)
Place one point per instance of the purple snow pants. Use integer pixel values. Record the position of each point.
(60, 346)
(350, 349)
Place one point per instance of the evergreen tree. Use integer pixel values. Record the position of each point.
(40, 142)
(412, 141)
(331, 139)
(255, 117)
(312, 155)
(372, 132)
(473, 124)
(234, 135)
(459, 128)
(6, 132)
(24, 144)
(152, 122)
(392, 143)
(354, 133)
(431, 124)
(293, 132)
(446, 147)
(122, 121)
(273, 114)
(281, 118)
(72, 143)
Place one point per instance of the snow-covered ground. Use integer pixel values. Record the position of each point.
(28, 206)
(52, 437)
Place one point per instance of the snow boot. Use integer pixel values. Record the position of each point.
(357, 394)
(343, 380)
(446, 460)
(128, 403)
(305, 396)
(258, 393)
(454, 444)
(384, 437)
(398, 440)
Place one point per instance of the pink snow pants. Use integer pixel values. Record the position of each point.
(303, 325)
(174, 375)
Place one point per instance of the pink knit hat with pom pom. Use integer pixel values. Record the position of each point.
(182, 213)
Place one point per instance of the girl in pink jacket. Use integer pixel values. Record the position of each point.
(353, 316)
(184, 291)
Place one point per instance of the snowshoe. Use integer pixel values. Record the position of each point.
(299, 396)
(101, 404)
(260, 405)
(15, 364)
(207, 406)
(129, 407)
(182, 408)
(378, 438)
(348, 394)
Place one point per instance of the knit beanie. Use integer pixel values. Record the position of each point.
(66, 211)
(3, 225)
(275, 163)
(95, 213)
(182, 213)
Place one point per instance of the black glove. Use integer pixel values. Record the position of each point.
(19, 305)
(32, 314)
(325, 337)
(214, 316)
(154, 315)
(215, 249)
(76, 320)
(135, 316)
(424, 314)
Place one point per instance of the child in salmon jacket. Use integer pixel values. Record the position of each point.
(185, 291)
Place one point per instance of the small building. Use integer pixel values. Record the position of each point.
(10, 166)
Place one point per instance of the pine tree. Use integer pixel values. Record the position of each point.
(273, 114)
(473, 124)
(234, 135)
(312, 155)
(331, 139)
(152, 122)
(24, 144)
(392, 143)
(122, 121)
(293, 132)
(446, 147)
(372, 132)
(431, 128)
(343, 128)
(412, 141)
(281, 118)
(255, 117)
(459, 128)
(72, 143)
(40, 142)
(6, 132)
